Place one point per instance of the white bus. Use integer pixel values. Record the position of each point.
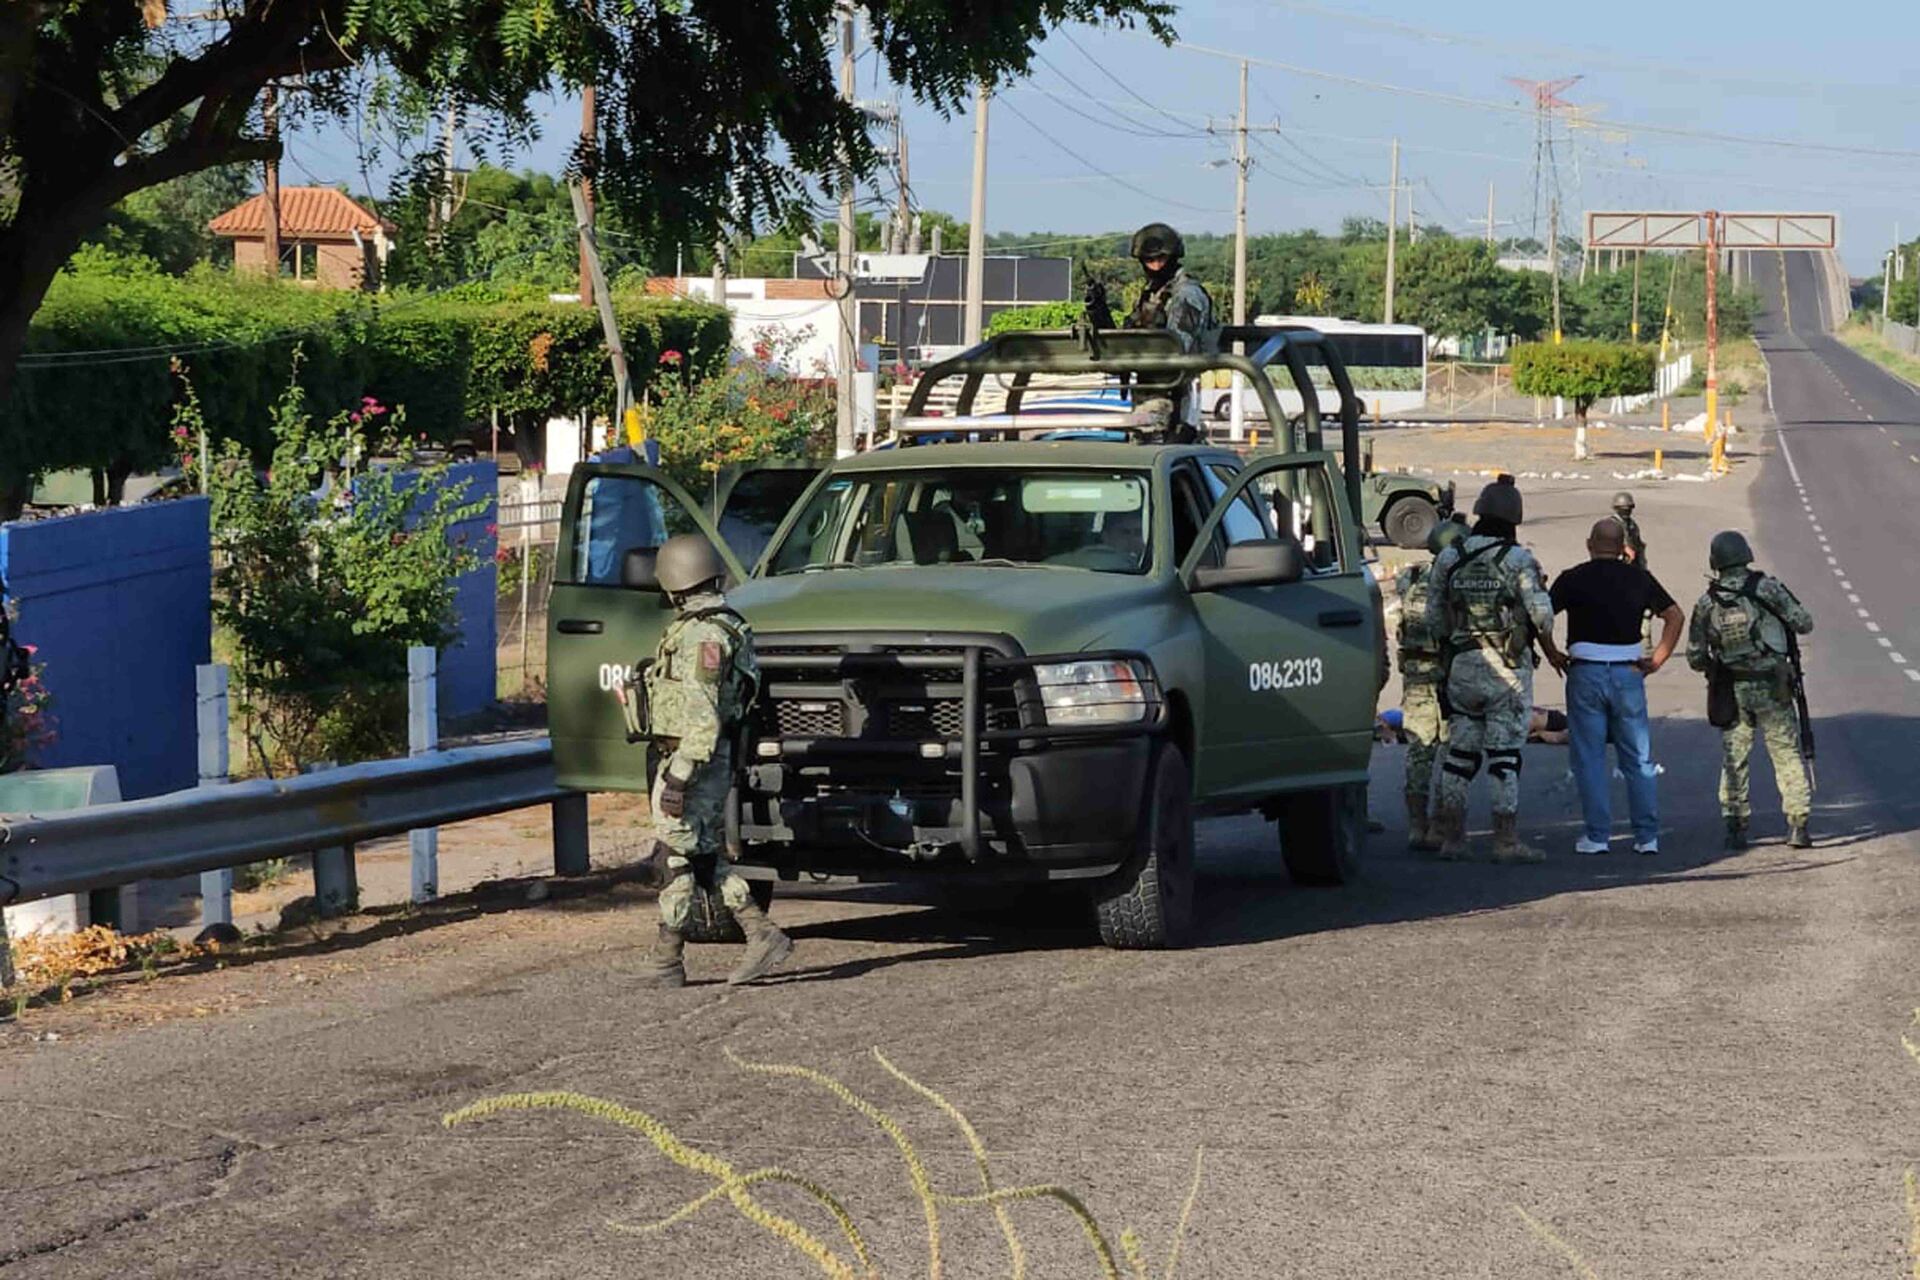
(1387, 362)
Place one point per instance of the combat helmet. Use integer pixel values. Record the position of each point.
(1623, 502)
(1155, 240)
(1728, 549)
(1501, 500)
(1444, 535)
(687, 561)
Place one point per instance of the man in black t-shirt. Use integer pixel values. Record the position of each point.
(1605, 600)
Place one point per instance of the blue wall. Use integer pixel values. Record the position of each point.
(118, 604)
(467, 665)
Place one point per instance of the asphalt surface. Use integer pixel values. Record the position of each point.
(1680, 1066)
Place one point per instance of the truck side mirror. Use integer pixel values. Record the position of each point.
(637, 572)
(1267, 562)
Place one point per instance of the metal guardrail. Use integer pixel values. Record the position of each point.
(232, 824)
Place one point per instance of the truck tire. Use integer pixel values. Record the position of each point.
(1148, 904)
(1409, 520)
(712, 922)
(1322, 835)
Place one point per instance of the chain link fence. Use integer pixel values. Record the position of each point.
(529, 540)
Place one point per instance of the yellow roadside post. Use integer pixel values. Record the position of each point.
(1659, 458)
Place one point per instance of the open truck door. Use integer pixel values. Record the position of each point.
(602, 621)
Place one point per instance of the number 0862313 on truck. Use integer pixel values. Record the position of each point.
(1029, 643)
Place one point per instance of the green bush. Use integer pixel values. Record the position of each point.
(1582, 372)
(96, 391)
(1048, 315)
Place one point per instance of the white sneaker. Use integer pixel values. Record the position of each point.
(1584, 845)
(1647, 846)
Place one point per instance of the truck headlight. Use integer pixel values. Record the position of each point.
(1079, 693)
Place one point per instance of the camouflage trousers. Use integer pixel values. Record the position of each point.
(1492, 703)
(699, 832)
(1763, 709)
(1426, 732)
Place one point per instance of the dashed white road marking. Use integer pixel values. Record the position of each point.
(1852, 599)
(1873, 627)
(1833, 562)
(1845, 585)
(1913, 674)
(1863, 613)
(1884, 642)
(1898, 659)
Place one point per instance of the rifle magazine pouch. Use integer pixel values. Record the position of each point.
(1723, 709)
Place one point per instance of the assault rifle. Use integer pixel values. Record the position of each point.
(1099, 309)
(1799, 685)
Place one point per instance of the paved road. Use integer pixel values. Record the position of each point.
(1681, 1066)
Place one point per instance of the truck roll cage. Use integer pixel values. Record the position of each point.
(1141, 364)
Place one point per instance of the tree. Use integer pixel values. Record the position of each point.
(712, 112)
(1582, 372)
(1451, 288)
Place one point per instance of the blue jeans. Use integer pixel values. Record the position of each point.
(1609, 703)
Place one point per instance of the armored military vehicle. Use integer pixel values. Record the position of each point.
(1019, 656)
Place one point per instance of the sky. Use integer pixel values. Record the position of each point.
(1114, 129)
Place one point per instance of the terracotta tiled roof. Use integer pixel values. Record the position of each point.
(309, 212)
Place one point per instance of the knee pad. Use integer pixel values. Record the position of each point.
(1461, 764)
(1504, 763)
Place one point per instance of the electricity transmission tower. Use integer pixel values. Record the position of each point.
(1546, 101)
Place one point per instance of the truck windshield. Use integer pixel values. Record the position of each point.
(1096, 520)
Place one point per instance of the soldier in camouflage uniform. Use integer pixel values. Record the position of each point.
(1636, 553)
(1489, 601)
(1418, 652)
(1174, 301)
(1741, 623)
(702, 679)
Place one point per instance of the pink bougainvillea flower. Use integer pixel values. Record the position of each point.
(353, 417)
(670, 357)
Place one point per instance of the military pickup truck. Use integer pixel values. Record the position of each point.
(1018, 657)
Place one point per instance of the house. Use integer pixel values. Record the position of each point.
(327, 240)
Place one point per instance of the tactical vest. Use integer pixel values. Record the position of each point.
(1151, 311)
(1733, 627)
(675, 705)
(1419, 646)
(1481, 593)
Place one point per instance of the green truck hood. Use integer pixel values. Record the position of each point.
(1045, 610)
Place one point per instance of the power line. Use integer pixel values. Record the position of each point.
(1508, 108)
(1117, 181)
(1126, 88)
(1185, 130)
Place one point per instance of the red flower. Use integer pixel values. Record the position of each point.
(670, 357)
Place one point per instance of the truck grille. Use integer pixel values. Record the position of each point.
(807, 719)
(939, 718)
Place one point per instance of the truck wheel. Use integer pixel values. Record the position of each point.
(712, 922)
(1148, 904)
(1409, 520)
(1322, 834)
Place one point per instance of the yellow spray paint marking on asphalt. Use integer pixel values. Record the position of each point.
(1546, 1234)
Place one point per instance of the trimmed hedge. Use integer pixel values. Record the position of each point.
(448, 359)
(1582, 371)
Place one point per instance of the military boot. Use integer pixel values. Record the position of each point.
(1736, 834)
(665, 967)
(1449, 827)
(1797, 834)
(1423, 833)
(1507, 844)
(767, 946)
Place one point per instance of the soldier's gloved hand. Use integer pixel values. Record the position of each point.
(673, 795)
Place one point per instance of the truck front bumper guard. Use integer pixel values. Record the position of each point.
(976, 665)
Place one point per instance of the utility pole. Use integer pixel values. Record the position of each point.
(1634, 326)
(1489, 213)
(1238, 429)
(603, 300)
(843, 370)
(588, 135)
(446, 167)
(1713, 323)
(270, 113)
(1393, 225)
(1553, 262)
(977, 223)
(903, 214)
(1413, 223)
